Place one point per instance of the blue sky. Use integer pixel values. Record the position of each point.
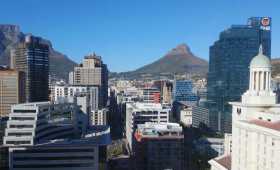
(131, 33)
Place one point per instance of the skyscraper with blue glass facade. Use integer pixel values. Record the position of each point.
(183, 91)
(228, 76)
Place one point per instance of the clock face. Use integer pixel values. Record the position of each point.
(265, 21)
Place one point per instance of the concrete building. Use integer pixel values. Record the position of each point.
(229, 61)
(55, 155)
(151, 95)
(65, 93)
(71, 78)
(186, 116)
(12, 89)
(200, 116)
(210, 146)
(99, 117)
(45, 136)
(31, 123)
(3, 125)
(167, 93)
(165, 87)
(140, 113)
(32, 58)
(228, 144)
(182, 113)
(159, 146)
(256, 124)
(93, 72)
(62, 154)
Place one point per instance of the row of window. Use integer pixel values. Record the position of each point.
(49, 150)
(32, 166)
(17, 142)
(24, 111)
(53, 158)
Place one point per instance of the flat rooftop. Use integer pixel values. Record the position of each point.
(158, 130)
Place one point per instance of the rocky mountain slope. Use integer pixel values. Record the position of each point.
(10, 35)
(179, 60)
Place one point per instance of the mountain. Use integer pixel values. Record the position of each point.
(179, 60)
(275, 67)
(10, 35)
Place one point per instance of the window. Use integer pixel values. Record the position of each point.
(18, 142)
(238, 111)
(24, 111)
(21, 126)
(22, 118)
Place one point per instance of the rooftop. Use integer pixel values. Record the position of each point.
(34, 104)
(145, 106)
(93, 56)
(225, 161)
(100, 136)
(260, 60)
(161, 130)
(267, 124)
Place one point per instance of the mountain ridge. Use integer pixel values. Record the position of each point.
(11, 35)
(179, 60)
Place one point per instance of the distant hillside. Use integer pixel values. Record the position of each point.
(179, 60)
(275, 66)
(10, 35)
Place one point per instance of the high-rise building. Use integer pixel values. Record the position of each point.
(183, 91)
(159, 146)
(11, 90)
(32, 58)
(256, 124)
(229, 64)
(93, 72)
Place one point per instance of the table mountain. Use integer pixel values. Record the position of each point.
(10, 35)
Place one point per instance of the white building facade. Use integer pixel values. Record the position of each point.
(31, 123)
(99, 117)
(256, 124)
(65, 93)
(186, 116)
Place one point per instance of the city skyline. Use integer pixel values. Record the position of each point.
(121, 31)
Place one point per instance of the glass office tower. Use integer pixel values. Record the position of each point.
(32, 58)
(229, 61)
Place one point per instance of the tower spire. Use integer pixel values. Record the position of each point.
(261, 49)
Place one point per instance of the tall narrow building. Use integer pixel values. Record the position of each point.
(229, 66)
(93, 72)
(11, 90)
(32, 58)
